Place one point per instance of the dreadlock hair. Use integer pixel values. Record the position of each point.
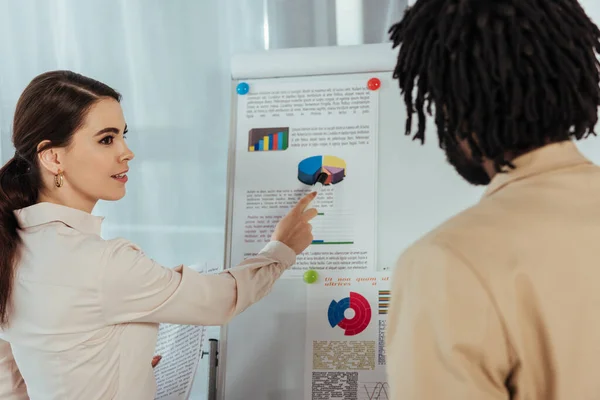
(508, 76)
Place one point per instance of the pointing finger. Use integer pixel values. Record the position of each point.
(305, 201)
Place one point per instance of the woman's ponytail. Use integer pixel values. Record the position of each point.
(18, 189)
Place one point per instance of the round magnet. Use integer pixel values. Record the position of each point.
(374, 84)
(243, 88)
(311, 276)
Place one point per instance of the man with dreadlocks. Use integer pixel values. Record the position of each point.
(503, 300)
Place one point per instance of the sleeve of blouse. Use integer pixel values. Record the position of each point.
(12, 386)
(134, 288)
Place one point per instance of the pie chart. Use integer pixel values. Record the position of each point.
(356, 324)
(310, 169)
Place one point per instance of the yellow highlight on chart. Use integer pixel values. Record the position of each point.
(336, 162)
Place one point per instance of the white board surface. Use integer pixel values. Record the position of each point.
(263, 349)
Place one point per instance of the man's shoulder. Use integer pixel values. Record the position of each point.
(471, 222)
(464, 236)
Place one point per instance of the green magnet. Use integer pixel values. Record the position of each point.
(311, 276)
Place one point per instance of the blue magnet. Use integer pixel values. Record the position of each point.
(243, 88)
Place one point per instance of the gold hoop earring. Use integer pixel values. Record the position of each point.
(59, 180)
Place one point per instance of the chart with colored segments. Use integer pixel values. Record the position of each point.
(360, 320)
(268, 139)
(310, 169)
(384, 301)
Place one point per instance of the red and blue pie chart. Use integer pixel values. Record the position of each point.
(360, 320)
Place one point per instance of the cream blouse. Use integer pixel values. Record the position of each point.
(86, 310)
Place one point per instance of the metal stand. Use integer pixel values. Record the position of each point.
(212, 369)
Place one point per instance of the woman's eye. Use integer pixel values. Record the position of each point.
(107, 140)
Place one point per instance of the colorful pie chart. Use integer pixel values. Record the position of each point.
(310, 169)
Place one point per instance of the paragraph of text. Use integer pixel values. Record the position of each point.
(309, 102)
(334, 385)
(333, 136)
(275, 199)
(342, 355)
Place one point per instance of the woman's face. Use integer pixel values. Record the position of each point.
(95, 163)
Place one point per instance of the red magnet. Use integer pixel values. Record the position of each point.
(374, 83)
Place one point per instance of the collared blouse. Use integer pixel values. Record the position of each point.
(85, 311)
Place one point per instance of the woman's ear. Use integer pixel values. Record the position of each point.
(49, 157)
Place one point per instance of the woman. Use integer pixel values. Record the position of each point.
(79, 314)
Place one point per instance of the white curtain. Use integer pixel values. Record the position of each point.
(167, 59)
(271, 24)
(170, 60)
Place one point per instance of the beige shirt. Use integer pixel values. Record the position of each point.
(86, 310)
(503, 300)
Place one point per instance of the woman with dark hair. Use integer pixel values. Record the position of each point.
(78, 314)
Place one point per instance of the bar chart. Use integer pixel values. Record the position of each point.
(333, 228)
(268, 139)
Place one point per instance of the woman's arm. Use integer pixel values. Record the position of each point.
(134, 288)
(12, 385)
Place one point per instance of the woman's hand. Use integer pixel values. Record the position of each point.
(294, 229)
(156, 360)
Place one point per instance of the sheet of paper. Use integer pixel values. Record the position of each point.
(288, 137)
(181, 348)
(345, 337)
